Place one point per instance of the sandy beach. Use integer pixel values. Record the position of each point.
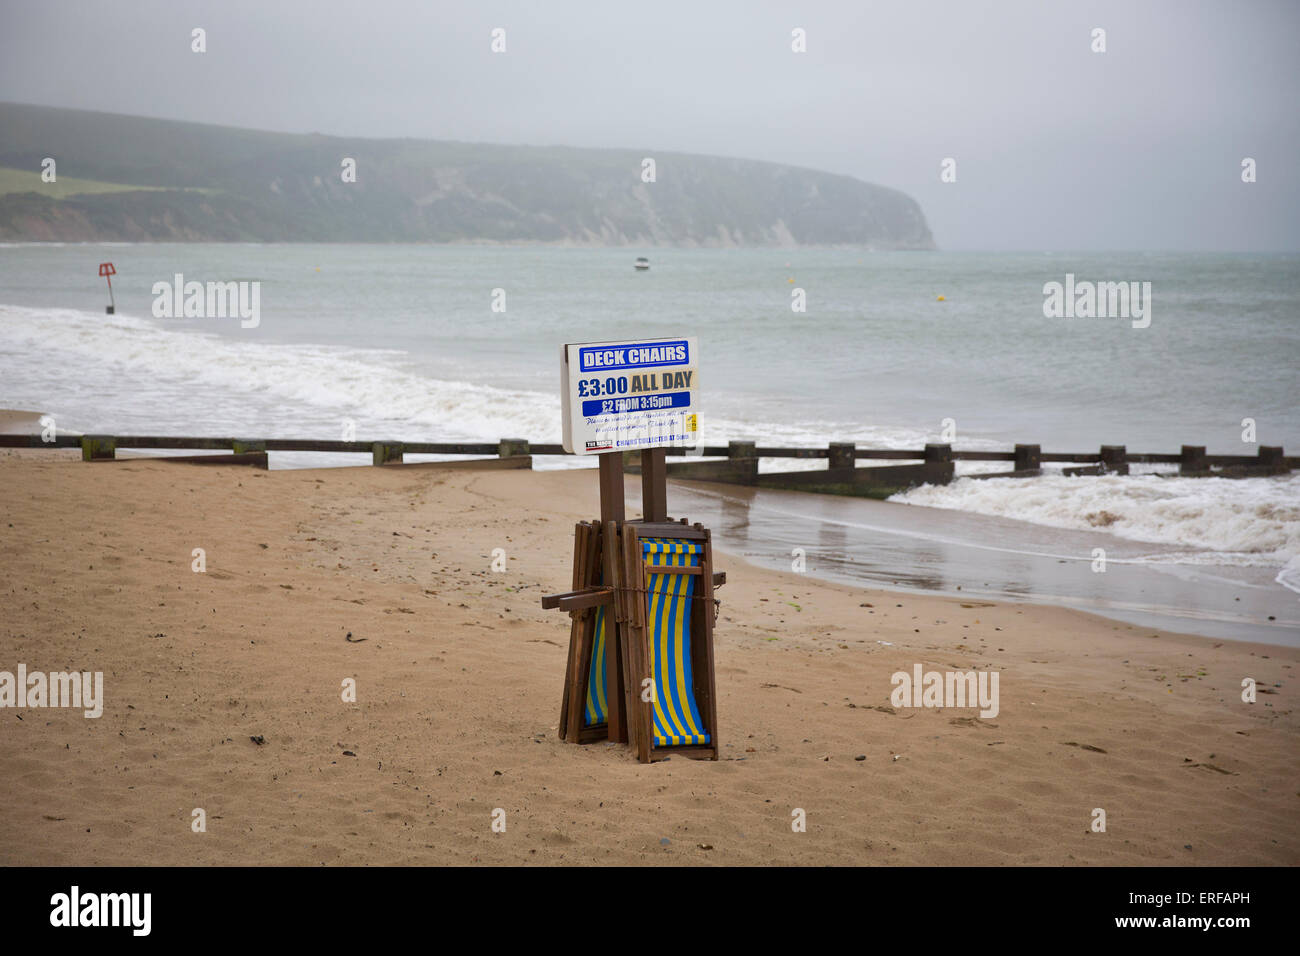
(458, 676)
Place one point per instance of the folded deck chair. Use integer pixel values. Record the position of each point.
(670, 690)
(585, 711)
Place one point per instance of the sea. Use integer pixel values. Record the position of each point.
(890, 350)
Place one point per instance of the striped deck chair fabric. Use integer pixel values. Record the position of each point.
(676, 717)
(597, 710)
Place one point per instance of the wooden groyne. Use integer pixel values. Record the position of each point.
(733, 463)
(936, 464)
(253, 451)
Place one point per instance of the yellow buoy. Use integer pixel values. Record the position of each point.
(789, 280)
(941, 299)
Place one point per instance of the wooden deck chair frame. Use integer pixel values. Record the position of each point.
(634, 610)
(580, 701)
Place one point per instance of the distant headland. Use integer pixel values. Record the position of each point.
(130, 178)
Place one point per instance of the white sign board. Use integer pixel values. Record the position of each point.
(622, 396)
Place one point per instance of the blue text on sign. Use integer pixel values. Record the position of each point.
(640, 355)
(636, 403)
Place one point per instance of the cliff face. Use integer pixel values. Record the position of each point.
(221, 183)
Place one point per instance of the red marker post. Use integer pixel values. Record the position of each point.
(107, 271)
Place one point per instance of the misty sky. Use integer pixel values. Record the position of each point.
(1057, 147)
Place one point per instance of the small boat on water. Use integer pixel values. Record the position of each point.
(641, 264)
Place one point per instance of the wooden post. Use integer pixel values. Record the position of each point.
(611, 487)
(509, 447)
(383, 452)
(654, 485)
(612, 517)
(707, 698)
(1271, 457)
(639, 720)
(1029, 457)
(938, 468)
(841, 454)
(938, 454)
(570, 712)
(97, 447)
(1191, 460)
(1114, 460)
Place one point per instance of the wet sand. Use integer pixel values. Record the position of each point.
(933, 551)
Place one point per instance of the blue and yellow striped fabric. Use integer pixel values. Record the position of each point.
(676, 716)
(597, 704)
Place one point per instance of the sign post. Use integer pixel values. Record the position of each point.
(639, 395)
(107, 271)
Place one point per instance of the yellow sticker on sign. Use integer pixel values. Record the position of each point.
(690, 423)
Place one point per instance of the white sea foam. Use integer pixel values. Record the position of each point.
(1251, 522)
(180, 380)
(1289, 576)
(270, 389)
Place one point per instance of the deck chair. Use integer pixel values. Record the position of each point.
(592, 706)
(670, 696)
(584, 710)
(669, 597)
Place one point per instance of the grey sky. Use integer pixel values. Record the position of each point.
(1057, 147)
